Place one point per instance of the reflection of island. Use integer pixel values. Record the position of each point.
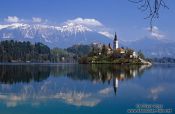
(116, 73)
(115, 85)
(97, 73)
(38, 83)
(23, 73)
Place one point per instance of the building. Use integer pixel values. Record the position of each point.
(134, 55)
(109, 49)
(116, 48)
(115, 42)
(120, 50)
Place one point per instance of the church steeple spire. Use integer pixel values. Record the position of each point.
(115, 42)
(115, 37)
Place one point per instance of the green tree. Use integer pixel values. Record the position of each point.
(140, 54)
(104, 50)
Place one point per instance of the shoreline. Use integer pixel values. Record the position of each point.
(37, 63)
(50, 63)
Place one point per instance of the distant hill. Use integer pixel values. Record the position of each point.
(153, 47)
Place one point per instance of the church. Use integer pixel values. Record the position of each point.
(118, 49)
(115, 46)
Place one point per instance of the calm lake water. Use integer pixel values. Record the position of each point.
(85, 89)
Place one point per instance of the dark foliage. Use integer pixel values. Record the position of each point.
(13, 51)
(80, 50)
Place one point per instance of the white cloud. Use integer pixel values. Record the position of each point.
(86, 22)
(155, 32)
(12, 19)
(107, 34)
(36, 19)
(15, 19)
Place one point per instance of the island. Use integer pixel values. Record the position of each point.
(96, 53)
(105, 54)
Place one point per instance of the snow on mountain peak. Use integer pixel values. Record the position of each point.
(69, 27)
(66, 34)
(73, 28)
(85, 22)
(13, 25)
(42, 32)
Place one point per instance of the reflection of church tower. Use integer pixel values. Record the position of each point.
(115, 42)
(115, 85)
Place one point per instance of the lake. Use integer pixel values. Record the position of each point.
(85, 89)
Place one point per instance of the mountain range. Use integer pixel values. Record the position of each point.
(53, 36)
(68, 34)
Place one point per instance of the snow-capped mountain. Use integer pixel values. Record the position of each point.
(54, 36)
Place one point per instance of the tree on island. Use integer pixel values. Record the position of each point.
(104, 51)
(141, 55)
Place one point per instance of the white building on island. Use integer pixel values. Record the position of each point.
(115, 42)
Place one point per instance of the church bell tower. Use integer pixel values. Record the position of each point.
(115, 42)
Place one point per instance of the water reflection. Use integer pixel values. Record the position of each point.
(10, 74)
(79, 85)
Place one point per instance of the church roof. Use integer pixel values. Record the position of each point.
(120, 49)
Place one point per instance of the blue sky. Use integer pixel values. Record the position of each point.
(121, 16)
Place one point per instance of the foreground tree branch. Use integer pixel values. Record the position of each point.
(150, 6)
